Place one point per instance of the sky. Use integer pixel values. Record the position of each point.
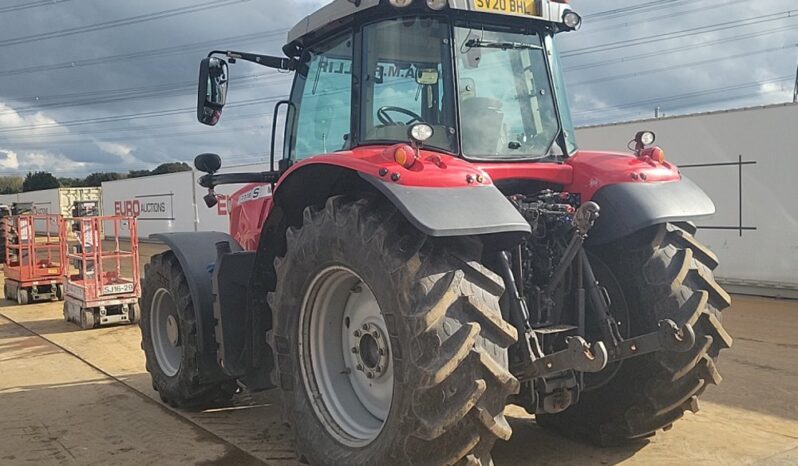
(110, 85)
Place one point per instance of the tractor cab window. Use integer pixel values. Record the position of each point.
(405, 81)
(507, 107)
(323, 97)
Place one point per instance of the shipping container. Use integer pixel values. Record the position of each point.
(161, 203)
(53, 201)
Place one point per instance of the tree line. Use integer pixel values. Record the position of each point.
(37, 181)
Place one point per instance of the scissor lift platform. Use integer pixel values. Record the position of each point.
(35, 257)
(106, 287)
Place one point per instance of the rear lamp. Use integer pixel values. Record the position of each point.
(405, 156)
(421, 132)
(572, 20)
(655, 154)
(437, 5)
(400, 3)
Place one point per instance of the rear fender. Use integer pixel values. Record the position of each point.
(434, 208)
(630, 207)
(196, 253)
(441, 195)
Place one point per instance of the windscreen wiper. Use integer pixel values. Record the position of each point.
(492, 44)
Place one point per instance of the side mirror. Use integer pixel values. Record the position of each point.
(212, 90)
(208, 163)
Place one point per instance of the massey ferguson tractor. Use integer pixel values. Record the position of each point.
(432, 245)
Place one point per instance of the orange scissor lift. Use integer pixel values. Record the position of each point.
(106, 287)
(35, 257)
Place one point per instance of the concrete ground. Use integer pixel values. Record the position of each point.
(83, 397)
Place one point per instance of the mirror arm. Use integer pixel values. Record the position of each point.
(210, 181)
(285, 64)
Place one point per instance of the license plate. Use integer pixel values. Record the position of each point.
(512, 7)
(118, 288)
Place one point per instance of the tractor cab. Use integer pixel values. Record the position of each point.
(481, 77)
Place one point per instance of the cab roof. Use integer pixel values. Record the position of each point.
(339, 12)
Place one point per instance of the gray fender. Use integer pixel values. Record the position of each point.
(630, 207)
(442, 212)
(196, 253)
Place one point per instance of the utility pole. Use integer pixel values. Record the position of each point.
(795, 92)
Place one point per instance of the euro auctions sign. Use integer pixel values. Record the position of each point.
(148, 207)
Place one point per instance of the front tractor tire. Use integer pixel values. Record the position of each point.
(169, 338)
(391, 347)
(660, 273)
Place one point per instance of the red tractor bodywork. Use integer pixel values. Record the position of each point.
(584, 173)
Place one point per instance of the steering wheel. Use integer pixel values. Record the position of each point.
(385, 119)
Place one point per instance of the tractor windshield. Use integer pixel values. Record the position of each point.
(507, 106)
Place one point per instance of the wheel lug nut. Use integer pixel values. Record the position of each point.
(376, 335)
(382, 351)
(354, 350)
(366, 327)
(359, 367)
(370, 375)
(378, 369)
(356, 334)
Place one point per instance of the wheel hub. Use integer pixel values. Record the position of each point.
(172, 331)
(370, 353)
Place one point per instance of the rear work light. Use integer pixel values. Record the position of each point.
(405, 155)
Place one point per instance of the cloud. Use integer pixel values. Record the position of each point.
(56, 164)
(8, 159)
(120, 150)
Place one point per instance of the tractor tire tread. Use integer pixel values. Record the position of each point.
(653, 391)
(184, 389)
(457, 347)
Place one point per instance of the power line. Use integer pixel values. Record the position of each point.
(143, 54)
(671, 98)
(128, 117)
(121, 95)
(680, 48)
(657, 4)
(680, 34)
(26, 6)
(669, 15)
(127, 129)
(120, 22)
(645, 72)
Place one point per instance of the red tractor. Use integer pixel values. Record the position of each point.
(432, 245)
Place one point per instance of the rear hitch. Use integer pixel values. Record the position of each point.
(668, 337)
(580, 356)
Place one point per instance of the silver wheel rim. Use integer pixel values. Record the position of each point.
(345, 355)
(165, 332)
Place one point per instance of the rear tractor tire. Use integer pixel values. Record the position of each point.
(391, 347)
(169, 338)
(663, 273)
